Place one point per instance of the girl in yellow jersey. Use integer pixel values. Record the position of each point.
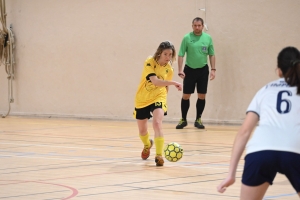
(151, 98)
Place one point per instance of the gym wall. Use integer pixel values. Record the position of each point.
(84, 58)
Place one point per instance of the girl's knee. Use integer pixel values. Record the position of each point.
(157, 124)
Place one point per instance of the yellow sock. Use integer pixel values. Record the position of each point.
(145, 140)
(159, 144)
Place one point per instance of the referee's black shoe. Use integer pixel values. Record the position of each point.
(182, 123)
(198, 124)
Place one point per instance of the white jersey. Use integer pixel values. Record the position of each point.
(278, 107)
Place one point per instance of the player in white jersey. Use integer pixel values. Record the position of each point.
(275, 144)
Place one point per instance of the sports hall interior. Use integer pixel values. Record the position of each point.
(67, 130)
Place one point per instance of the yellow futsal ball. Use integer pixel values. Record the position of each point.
(173, 152)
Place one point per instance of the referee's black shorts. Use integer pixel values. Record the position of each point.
(195, 77)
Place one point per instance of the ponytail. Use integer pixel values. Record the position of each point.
(292, 76)
(288, 60)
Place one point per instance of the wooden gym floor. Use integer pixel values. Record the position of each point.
(43, 159)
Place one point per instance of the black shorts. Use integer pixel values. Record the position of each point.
(146, 112)
(262, 166)
(195, 77)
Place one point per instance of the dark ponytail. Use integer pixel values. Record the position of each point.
(292, 77)
(288, 61)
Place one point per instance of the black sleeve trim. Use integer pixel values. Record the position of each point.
(148, 76)
(253, 112)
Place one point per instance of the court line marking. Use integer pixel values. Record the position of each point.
(96, 161)
(224, 145)
(74, 191)
(278, 196)
(150, 167)
(93, 149)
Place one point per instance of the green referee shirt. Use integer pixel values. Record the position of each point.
(197, 48)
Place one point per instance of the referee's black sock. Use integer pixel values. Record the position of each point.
(185, 105)
(200, 107)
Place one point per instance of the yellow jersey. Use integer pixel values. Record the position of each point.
(148, 93)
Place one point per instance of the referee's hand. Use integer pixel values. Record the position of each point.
(181, 75)
(212, 75)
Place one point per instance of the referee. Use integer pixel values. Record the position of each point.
(198, 46)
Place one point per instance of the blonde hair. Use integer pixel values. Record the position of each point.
(163, 46)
